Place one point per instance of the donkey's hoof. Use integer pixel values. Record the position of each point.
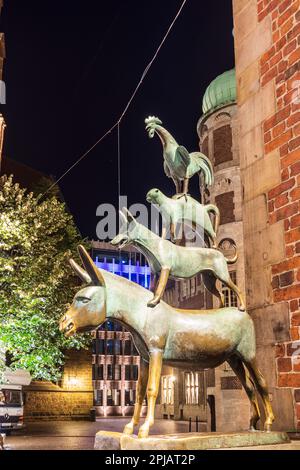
(252, 429)
(152, 303)
(268, 425)
(143, 432)
(242, 308)
(128, 429)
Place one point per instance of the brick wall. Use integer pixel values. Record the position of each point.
(73, 399)
(267, 44)
(281, 63)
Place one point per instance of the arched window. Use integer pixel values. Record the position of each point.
(222, 138)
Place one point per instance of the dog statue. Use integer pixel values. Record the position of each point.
(169, 260)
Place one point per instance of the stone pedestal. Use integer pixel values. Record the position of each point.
(108, 440)
(188, 441)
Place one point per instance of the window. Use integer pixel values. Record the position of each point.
(117, 372)
(230, 298)
(192, 388)
(129, 397)
(109, 347)
(100, 346)
(109, 372)
(10, 398)
(193, 286)
(117, 346)
(110, 401)
(167, 390)
(98, 397)
(127, 372)
(222, 145)
(225, 203)
(135, 372)
(127, 348)
(116, 397)
(98, 372)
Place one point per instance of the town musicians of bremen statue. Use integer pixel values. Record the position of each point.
(193, 339)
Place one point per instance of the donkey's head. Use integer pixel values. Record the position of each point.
(88, 309)
(129, 231)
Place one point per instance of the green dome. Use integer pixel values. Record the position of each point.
(221, 91)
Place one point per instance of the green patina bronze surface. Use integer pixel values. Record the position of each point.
(182, 338)
(177, 210)
(220, 92)
(179, 164)
(179, 262)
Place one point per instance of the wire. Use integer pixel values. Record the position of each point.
(117, 123)
(119, 166)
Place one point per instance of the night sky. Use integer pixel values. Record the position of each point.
(71, 67)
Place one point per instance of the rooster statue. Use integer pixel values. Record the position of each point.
(179, 164)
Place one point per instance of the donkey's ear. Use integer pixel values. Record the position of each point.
(94, 273)
(129, 215)
(81, 273)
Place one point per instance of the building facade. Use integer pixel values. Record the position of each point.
(115, 360)
(267, 57)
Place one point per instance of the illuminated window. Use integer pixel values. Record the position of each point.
(167, 390)
(192, 388)
(193, 286)
(230, 298)
(117, 372)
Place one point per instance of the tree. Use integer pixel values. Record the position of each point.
(37, 237)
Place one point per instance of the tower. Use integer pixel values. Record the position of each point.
(218, 131)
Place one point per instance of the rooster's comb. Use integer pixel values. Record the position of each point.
(153, 119)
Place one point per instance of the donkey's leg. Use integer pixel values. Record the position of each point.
(152, 390)
(237, 365)
(140, 395)
(235, 289)
(262, 389)
(209, 281)
(160, 288)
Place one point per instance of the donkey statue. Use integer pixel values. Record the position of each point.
(194, 339)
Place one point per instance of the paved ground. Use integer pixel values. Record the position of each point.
(79, 435)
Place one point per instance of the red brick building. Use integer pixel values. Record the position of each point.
(267, 50)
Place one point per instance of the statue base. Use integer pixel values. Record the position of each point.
(106, 440)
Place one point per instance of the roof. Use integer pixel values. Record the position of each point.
(220, 92)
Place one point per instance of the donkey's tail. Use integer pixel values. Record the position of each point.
(216, 212)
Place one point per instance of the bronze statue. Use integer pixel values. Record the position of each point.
(179, 164)
(167, 259)
(176, 210)
(197, 339)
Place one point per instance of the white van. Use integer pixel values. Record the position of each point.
(11, 400)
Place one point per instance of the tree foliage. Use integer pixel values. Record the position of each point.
(36, 283)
